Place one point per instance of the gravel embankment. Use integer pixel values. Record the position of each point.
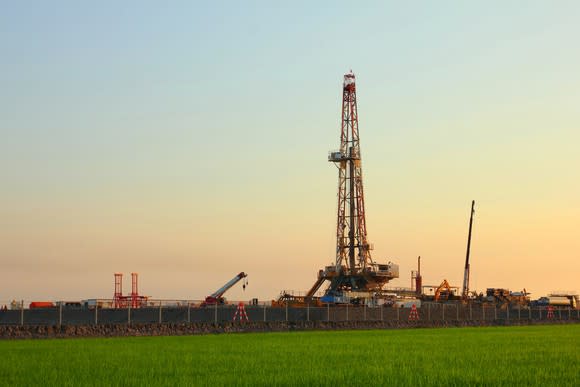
(124, 330)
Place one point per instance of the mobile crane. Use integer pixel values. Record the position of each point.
(217, 297)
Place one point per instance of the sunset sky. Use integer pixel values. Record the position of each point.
(188, 142)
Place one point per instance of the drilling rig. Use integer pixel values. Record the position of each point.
(354, 273)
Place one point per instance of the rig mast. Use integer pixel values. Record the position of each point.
(354, 270)
(352, 249)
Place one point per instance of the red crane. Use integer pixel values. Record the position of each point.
(217, 296)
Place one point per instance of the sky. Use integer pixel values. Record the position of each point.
(188, 142)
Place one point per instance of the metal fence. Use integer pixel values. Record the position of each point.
(188, 313)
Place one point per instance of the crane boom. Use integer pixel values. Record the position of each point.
(465, 290)
(217, 295)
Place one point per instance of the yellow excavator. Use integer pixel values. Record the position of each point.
(443, 292)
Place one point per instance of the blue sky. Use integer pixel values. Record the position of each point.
(190, 133)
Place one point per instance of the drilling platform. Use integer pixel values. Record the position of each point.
(354, 274)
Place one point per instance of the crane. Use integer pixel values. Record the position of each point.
(217, 296)
(465, 290)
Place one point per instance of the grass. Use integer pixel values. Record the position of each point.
(508, 356)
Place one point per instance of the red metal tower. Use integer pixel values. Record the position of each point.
(354, 269)
(134, 300)
(134, 290)
(118, 300)
(417, 279)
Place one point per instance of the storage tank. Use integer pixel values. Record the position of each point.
(559, 301)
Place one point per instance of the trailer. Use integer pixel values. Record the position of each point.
(41, 304)
(557, 301)
(572, 298)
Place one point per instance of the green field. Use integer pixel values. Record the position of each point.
(509, 356)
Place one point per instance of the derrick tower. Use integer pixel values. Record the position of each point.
(352, 248)
(354, 269)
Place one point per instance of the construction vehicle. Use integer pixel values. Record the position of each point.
(288, 298)
(505, 297)
(217, 297)
(441, 293)
(520, 298)
(444, 292)
(353, 269)
(497, 295)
